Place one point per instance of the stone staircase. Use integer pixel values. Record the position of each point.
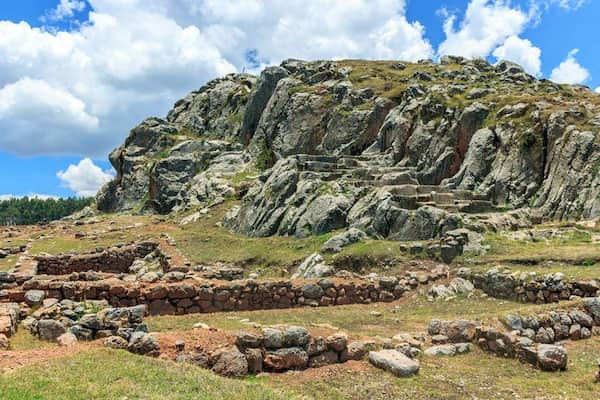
(371, 171)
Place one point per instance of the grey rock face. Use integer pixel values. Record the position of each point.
(313, 267)
(280, 202)
(336, 243)
(216, 110)
(404, 162)
(265, 86)
(394, 362)
(160, 156)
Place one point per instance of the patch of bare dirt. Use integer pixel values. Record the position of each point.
(199, 340)
(10, 360)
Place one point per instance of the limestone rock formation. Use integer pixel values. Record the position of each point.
(400, 153)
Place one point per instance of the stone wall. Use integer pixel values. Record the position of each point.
(503, 344)
(13, 250)
(116, 259)
(204, 296)
(86, 320)
(9, 318)
(529, 287)
(279, 350)
(544, 356)
(574, 323)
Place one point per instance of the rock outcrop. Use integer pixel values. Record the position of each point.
(400, 153)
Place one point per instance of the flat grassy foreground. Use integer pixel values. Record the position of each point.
(411, 314)
(108, 374)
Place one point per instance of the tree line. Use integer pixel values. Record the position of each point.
(29, 211)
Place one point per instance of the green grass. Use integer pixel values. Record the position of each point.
(570, 270)
(406, 315)
(472, 376)
(23, 340)
(13, 243)
(108, 374)
(8, 263)
(204, 242)
(574, 247)
(62, 244)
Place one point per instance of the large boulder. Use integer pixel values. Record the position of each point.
(313, 266)
(394, 362)
(286, 359)
(144, 344)
(49, 329)
(230, 362)
(34, 297)
(338, 242)
(552, 358)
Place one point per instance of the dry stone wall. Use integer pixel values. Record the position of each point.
(529, 287)
(279, 350)
(204, 296)
(114, 259)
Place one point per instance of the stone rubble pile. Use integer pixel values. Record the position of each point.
(456, 287)
(87, 320)
(534, 339)
(573, 323)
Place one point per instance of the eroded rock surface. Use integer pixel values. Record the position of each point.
(334, 148)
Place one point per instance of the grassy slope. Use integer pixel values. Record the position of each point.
(108, 374)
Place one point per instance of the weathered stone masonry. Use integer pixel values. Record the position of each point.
(113, 259)
(526, 288)
(204, 296)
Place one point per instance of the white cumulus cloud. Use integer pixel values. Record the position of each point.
(570, 71)
(84, 178)
(35, 113)
(64, 9)
(521, 51)
(486, 25)
(597, 89)
(134, 58)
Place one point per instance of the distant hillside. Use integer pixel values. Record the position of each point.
(27, 211)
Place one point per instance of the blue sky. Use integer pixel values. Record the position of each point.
(76, 75)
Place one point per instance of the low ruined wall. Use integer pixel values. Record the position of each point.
(279, 350)
(204, 296)
(528, 288)
(114, 260)
(9, 318)
(574, 323)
